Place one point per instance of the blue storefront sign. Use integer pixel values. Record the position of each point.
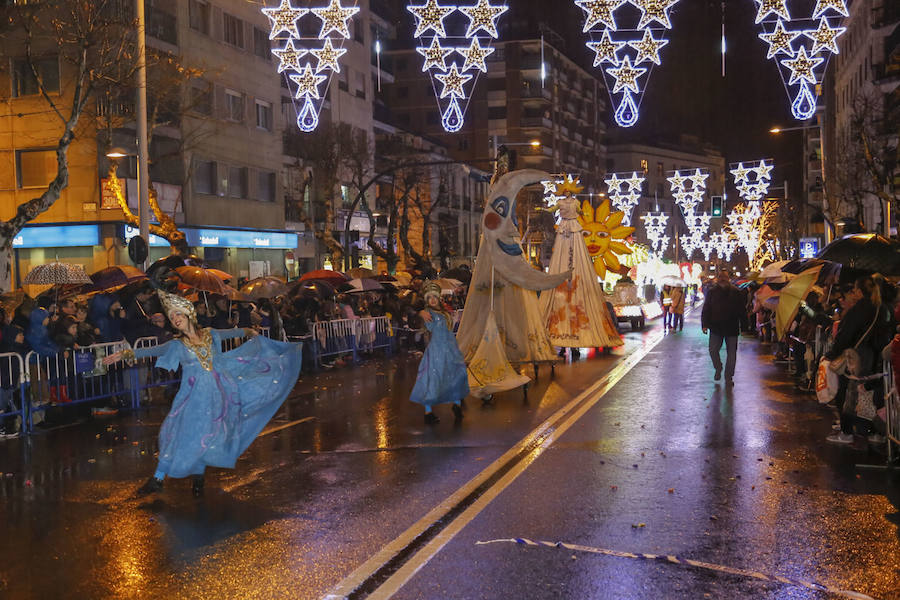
(226, 238)
(809, 247)
(57, 236)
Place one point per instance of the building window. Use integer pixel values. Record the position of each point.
(204, 177)
(265, 186)
(233, 30)
(199, 16)
(35, 168)
(660, 169)
(264, 115)
(262, 47)
(644, 166)
(162, 25)
(201, 98)
(344, 81)
(361, 85)
(237, 182)
(24, 82)
(234, 106)
(496, 112)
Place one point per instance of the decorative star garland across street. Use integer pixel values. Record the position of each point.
(456, 58)
(626, 54)
(801, 46)
(688, 188)
(624, 192)
(293, 50)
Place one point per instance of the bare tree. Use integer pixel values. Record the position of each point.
(95, 51)
(876, 129)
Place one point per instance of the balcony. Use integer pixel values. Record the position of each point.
(533, 122)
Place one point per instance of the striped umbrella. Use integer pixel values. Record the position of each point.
(56, 272)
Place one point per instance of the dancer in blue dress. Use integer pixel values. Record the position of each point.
(442, 374)
(225, 398)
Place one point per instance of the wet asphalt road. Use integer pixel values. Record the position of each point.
(666, 462)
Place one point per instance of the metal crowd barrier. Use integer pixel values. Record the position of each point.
(891, 412)
(146, 375)
(350, 336)
(13, 404)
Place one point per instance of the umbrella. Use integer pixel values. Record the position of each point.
(386, 279)
(116, 276)
(458, 273)
(773, 269)
(673, 281)
(766, 292)
(791, 296)
(361, 273)
(10, 301)
(335, 278)
(448, 285)
(866, 252)
(264, 287)
(56, 272)
(801, 264)
(202, 280)
(221, 274)
(361, 285)
(314, 289)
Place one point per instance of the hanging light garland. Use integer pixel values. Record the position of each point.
(752, 181)
(306, 77)
(624, 193)
(655, 226)
(802, 49)
(464, 57)
(626, 56)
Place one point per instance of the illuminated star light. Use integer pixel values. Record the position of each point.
(435, 55)
(483, 17)
(334, 18)
(677, 181)
(648, 48)
(453, 82)
(823, 5)
(614, 184)
(599, 11)
(634, 182)
(802, 67)
(763, 171)
(780, 40)
(328, 56)
(284, 19)
(606, 49)
(307, 83)
(699, 179)
(475, 56)
(289, 56)
(626, 76)
(654, 10)
(431, 16)
(768, 7)
(740, 173)
(825, 37)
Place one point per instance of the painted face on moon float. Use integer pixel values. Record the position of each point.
(501, 233)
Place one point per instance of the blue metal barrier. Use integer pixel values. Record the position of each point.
(350, 336)
(12, 391)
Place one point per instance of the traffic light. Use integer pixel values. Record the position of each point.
(716, 206)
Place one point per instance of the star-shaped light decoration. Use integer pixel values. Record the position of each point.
(763, 171)
(768, 7)
(626, 76)
(289, 56)
(654, 10)
(648, 48)
(284, 19)
(740, 173)
(435, 55)
(802, 66)
(483, 17)
(453, 82)
(334, 18)
(328, 56)
(824, 37)
(599, 11)
(431, 16)
(307, 82)
(475, 56)
(605, 50)
(613, 184)
(779, 40)
(699, 179)
(836, 5)
(634, 182)
(677, 180)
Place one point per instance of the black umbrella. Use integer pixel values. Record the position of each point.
(864, 252)
(459, 273)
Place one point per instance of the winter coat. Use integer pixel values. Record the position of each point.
(37, 335)
(852, 327)
(110, 326)
(724, 311)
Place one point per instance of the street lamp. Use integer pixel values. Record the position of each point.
(116, 153)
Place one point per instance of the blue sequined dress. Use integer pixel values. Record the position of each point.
(225, 398)
(442, 374)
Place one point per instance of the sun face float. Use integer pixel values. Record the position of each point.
(604, 236)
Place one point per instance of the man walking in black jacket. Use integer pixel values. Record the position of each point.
(723, 317)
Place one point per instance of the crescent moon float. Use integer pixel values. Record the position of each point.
(501, 233)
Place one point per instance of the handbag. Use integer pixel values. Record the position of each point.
(865, 407)
(827, 381)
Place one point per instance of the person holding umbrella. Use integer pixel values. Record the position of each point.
(723, 317)
(225, 398)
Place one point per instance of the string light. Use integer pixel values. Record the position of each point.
(802, 66)
(626, 76)
(648, 48)
(284, 19)
(769, 7)
(475, 56)
(779, 40)
(435, 55)
(654, 10)
(483, 17)
(606, 50)
(599, 12)
(838, 6)
(627, 200)
(453, 82)
(430, 16)
(655, 226)
(824, 37)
